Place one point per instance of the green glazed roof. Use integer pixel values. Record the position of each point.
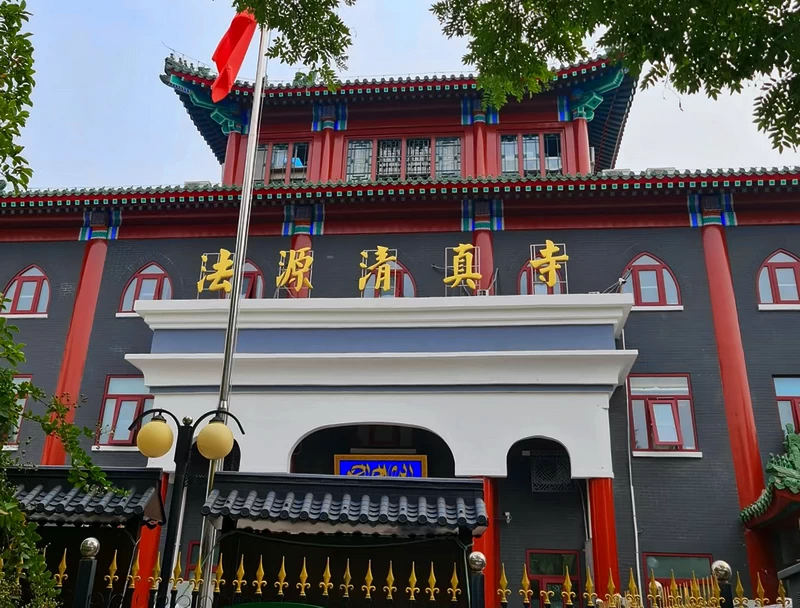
(784, 474)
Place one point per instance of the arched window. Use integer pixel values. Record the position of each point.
(252, 282)
(528, 283)
(151, 282)
(27, 293)
(402, 284)
(778, 279)
(651, 282)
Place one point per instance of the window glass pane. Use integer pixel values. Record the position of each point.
(389, 154)
(782, 257)
(127, 300)
(785, 412)
(552, 153)
(127, 412)
(524, 286)
(277, 166)
(259, 286)
(151, 269)
(787, 284)
(664, 421)
(659, 385)
(108, 420)
(787, 387)
(645, 260)
(359, 161)
(687, 424)
(627, 286)
(683, 566)
(9, 295)
(26, 293)
(127, 386)
(148, 405)
(166, 289)
(261, 163)
(670, 288)
(551, 564)
(508, 154)
(148, 289)
(640, 425)
(448, 157)
(764, 290)
(539, 288)
(418, 158)
(44, 297)
(648, 286)
(408, 286)
(299, 162)
(33, 272)
(369, 287)
(530, 155)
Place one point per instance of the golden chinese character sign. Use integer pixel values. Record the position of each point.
(380, 466)
(546, 263)
(294, 269)
(218, 278)
(461, 266)
(383, 268)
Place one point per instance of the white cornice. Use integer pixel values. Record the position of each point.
(487, 311)
(459, 369)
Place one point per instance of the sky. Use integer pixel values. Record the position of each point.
(102, 117)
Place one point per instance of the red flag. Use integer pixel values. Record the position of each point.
(230, 54)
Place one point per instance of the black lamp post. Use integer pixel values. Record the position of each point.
(154, 439)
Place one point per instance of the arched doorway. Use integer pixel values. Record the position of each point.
(542, 517)
(318, 452)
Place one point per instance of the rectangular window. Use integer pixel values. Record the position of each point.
(546, 573)
(662, 565)
(21, 402)
(277, 164)
(299, 169)
(530, 155)
(662, 413)
(448, 157)
(787, 391)
(261, 164)
(126, 397)
(359, 160)
(531, 148)
(418, 158)
(389, 158)
(552, 153)
(509, 156)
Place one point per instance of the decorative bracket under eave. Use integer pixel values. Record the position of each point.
(230, 117)
(582, 102)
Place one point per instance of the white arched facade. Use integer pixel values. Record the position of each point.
(480, 402)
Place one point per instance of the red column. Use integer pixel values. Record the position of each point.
(741, 423)
(149, 541)
(327, 154)
(482, 240)
(584, 162)
(298, 242)
(231, 156)
(489, 542)
(604, 533)
(480, 145)
(76, 347)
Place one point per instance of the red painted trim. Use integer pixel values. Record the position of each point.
(741, 425)
(482, 240)
(241, 156)
(139, 277)
(118, 398)
(149, 541)
(12, 307)
(231, 157)
(583, 165)
(480, 149)
(772, 267)
(604, 532)
(38, 235)
(489, 542)
(76, 348)
(661, 287)
(648, 399)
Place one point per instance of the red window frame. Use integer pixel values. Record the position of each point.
(13, 308)
(403, 139)
(118, 398)
(544, 579)
(163, 276)
(253, 275)
(520, 157)
(667, 581)
(652, 434)
(658, 268)
(795, 401)
(266, 170)
(772, 267)
(190, 566)
(399, 289)
(24, 378)
(528, 270)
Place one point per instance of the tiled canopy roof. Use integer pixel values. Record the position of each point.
(345, 504)
(783, 476)
(46, 496)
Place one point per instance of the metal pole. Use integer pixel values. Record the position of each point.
(207, 539)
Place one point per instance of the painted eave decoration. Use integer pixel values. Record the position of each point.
(781, 495)
(193, 84)
(647, 182)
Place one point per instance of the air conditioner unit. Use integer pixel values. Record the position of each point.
(197, 184)
(482, 292)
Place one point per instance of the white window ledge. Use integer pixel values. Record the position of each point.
(127, 315)
(657, 308)
(114, 448)
(10, 448)
(779, 307)
(33, 315)
(667, 454)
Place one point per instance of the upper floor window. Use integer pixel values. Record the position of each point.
(661, 408)
(126, 397)
(252, 282)
(787, 391)
(403, 158)
(288, 162)
(27, 293)
(778, 279)
(528, 283)
(21, 402)
(522, 154)
(149, 283)
(402, 284)
(651, 282)
(685, 567)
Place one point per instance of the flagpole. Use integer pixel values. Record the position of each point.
(208, 537)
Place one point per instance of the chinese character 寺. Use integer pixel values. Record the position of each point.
(463, 271)
(548, 264)
(223, 270)
(382, 269)
(295, 264)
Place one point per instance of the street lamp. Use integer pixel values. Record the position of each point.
(154, 440)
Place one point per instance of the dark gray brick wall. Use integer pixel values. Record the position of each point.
(43, 338)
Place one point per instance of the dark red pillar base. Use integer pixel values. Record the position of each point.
(584, 160)
(604, 534)
(489, 543)
(482, 240)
